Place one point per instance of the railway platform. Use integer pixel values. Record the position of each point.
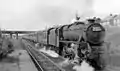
(19, 60)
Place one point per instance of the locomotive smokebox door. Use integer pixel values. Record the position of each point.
(95, 33)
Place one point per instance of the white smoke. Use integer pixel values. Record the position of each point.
(84, 67)
(49, 52)
(65, 63)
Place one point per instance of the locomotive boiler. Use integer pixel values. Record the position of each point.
(72, 32)
(93, 33)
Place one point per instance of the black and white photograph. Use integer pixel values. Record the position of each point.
(59, 35)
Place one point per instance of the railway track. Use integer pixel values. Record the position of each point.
(42, 62)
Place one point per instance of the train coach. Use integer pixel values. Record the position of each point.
(86, 40)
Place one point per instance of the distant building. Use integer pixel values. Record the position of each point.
(112, 20)
(108, 20)
(117, 20)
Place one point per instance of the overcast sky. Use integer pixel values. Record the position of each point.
(37, 14)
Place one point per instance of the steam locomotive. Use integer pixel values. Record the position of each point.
(78, 40)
